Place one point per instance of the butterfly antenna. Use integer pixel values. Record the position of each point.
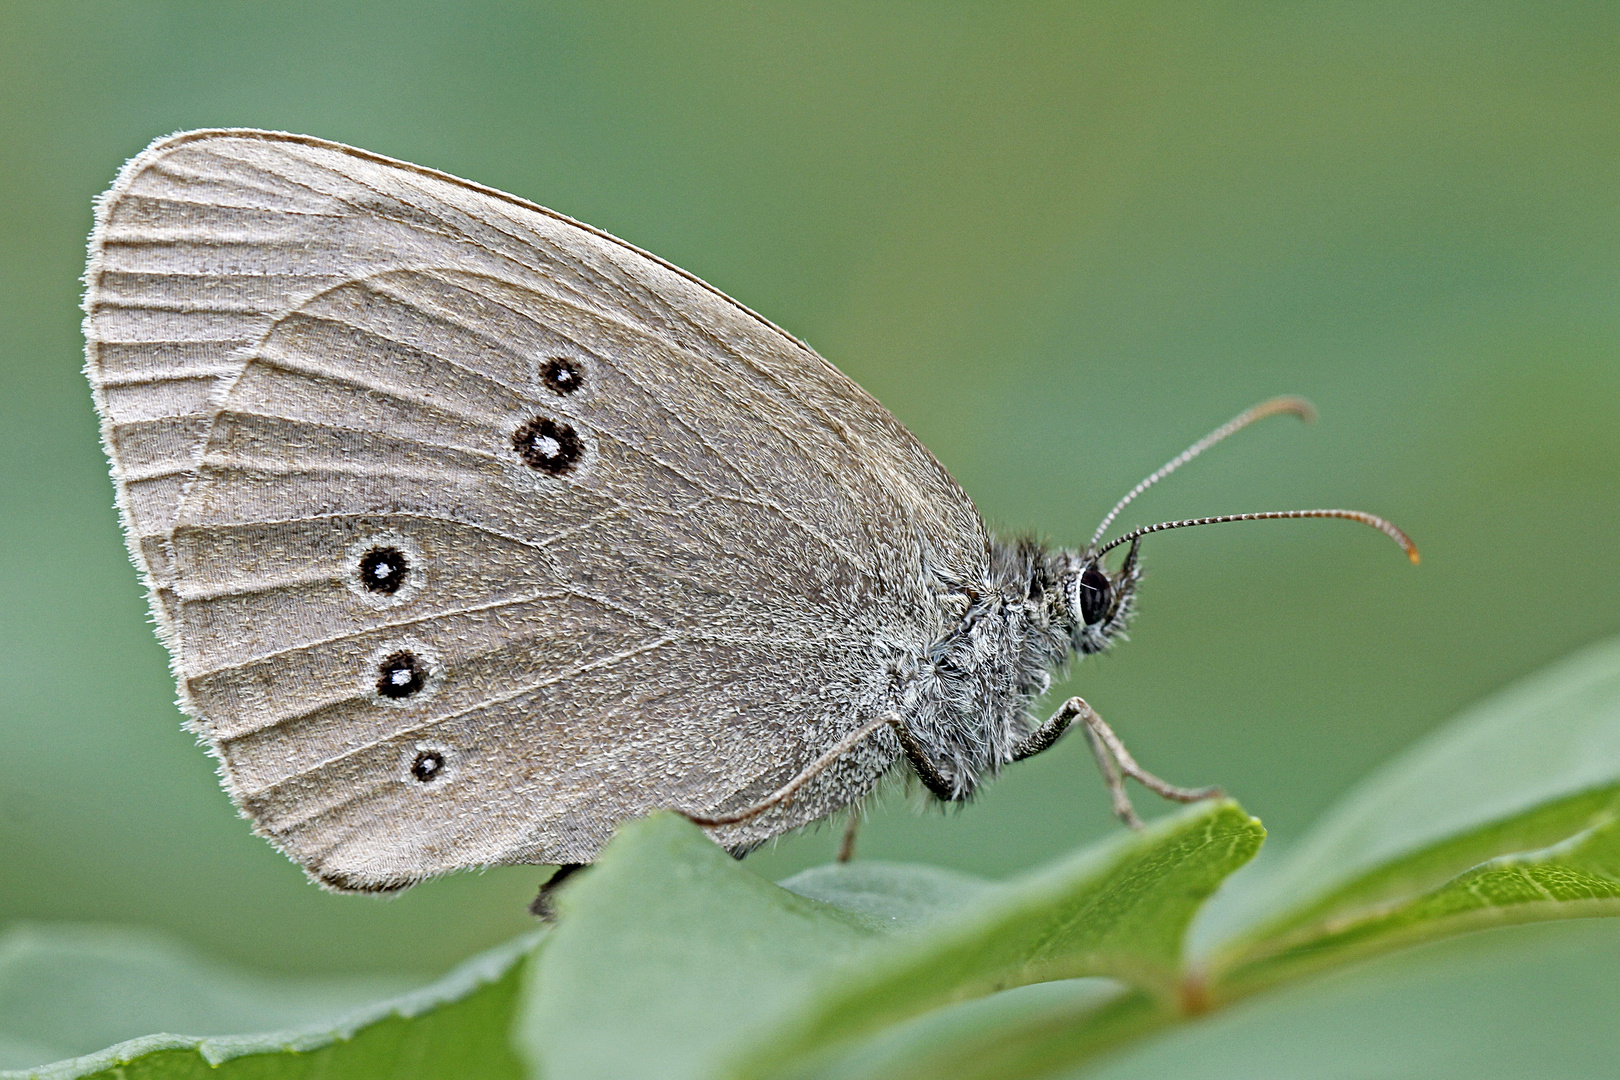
(1297, 406)
(1385, 527)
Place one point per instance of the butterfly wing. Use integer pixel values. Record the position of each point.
(473, 531)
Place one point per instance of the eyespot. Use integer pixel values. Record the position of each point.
(1095, 594)
(401, 675)
(428, 762)
(428, 765)
(383, 569)
(548, 446)
(562, 375)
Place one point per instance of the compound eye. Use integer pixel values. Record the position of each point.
(1096, 595)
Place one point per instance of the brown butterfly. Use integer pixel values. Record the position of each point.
(474, 531)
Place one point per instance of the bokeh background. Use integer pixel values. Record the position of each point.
(1057, 241)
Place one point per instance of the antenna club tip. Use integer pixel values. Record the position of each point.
(1290, 403)
(1412, 553)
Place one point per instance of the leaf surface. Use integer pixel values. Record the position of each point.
(670, 960)
(1504, 815)
(457, 1026)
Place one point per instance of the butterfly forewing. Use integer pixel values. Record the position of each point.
(474, 531)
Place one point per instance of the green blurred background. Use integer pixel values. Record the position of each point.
(1058, 241)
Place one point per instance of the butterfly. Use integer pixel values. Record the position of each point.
(473, 531)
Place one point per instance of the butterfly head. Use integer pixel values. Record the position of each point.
(1097, 603)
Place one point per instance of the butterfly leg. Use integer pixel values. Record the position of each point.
(791, 788)
(1048, 733)
(846, 846)
(1114, 781)
(924, 766)
(1113, 759)
(1128, 765)
(541, 907)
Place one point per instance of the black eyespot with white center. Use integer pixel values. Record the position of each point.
(427, 766)
(548, 446)
(1096, 595)
(562, 376)
(384, 570)
(401, 674)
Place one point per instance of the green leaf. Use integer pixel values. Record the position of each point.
(1119, 909)
(890, 896)
(1577, 878)
(1494, 797)
(1028, 1031)
(670, 960)
(1535, 1002)
(664, 950)
(68, 985)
